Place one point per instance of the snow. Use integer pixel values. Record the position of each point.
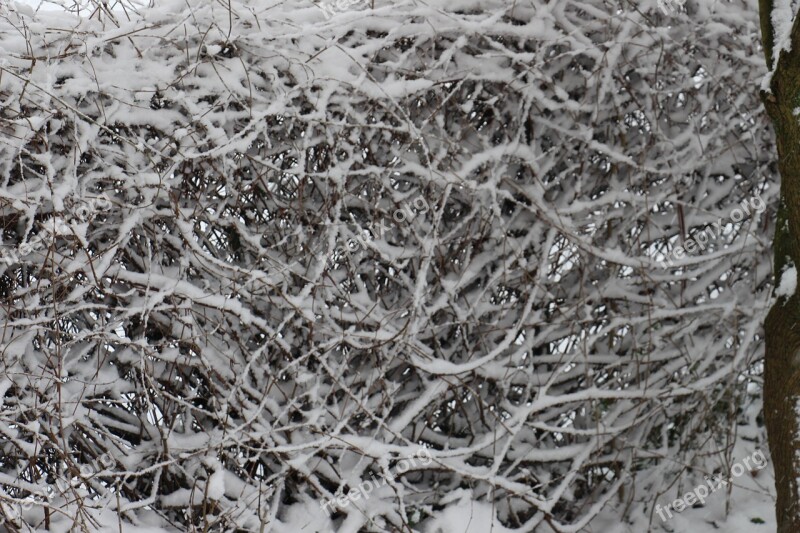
(782, 17)
(213, 49)
(751, 508)
(216, 485)
(788, 283)
(304, 516)
(24, 9)
(466, 515)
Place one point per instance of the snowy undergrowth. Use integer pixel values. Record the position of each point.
(217, 336)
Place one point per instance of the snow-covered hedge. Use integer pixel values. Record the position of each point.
(222, 297)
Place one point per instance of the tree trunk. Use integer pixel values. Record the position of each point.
(782, 372)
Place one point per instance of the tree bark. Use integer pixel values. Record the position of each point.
(782, 364)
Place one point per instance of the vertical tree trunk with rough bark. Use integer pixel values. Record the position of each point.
(782, 373)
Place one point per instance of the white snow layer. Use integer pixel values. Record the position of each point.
(788, 282)
(782, 18)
